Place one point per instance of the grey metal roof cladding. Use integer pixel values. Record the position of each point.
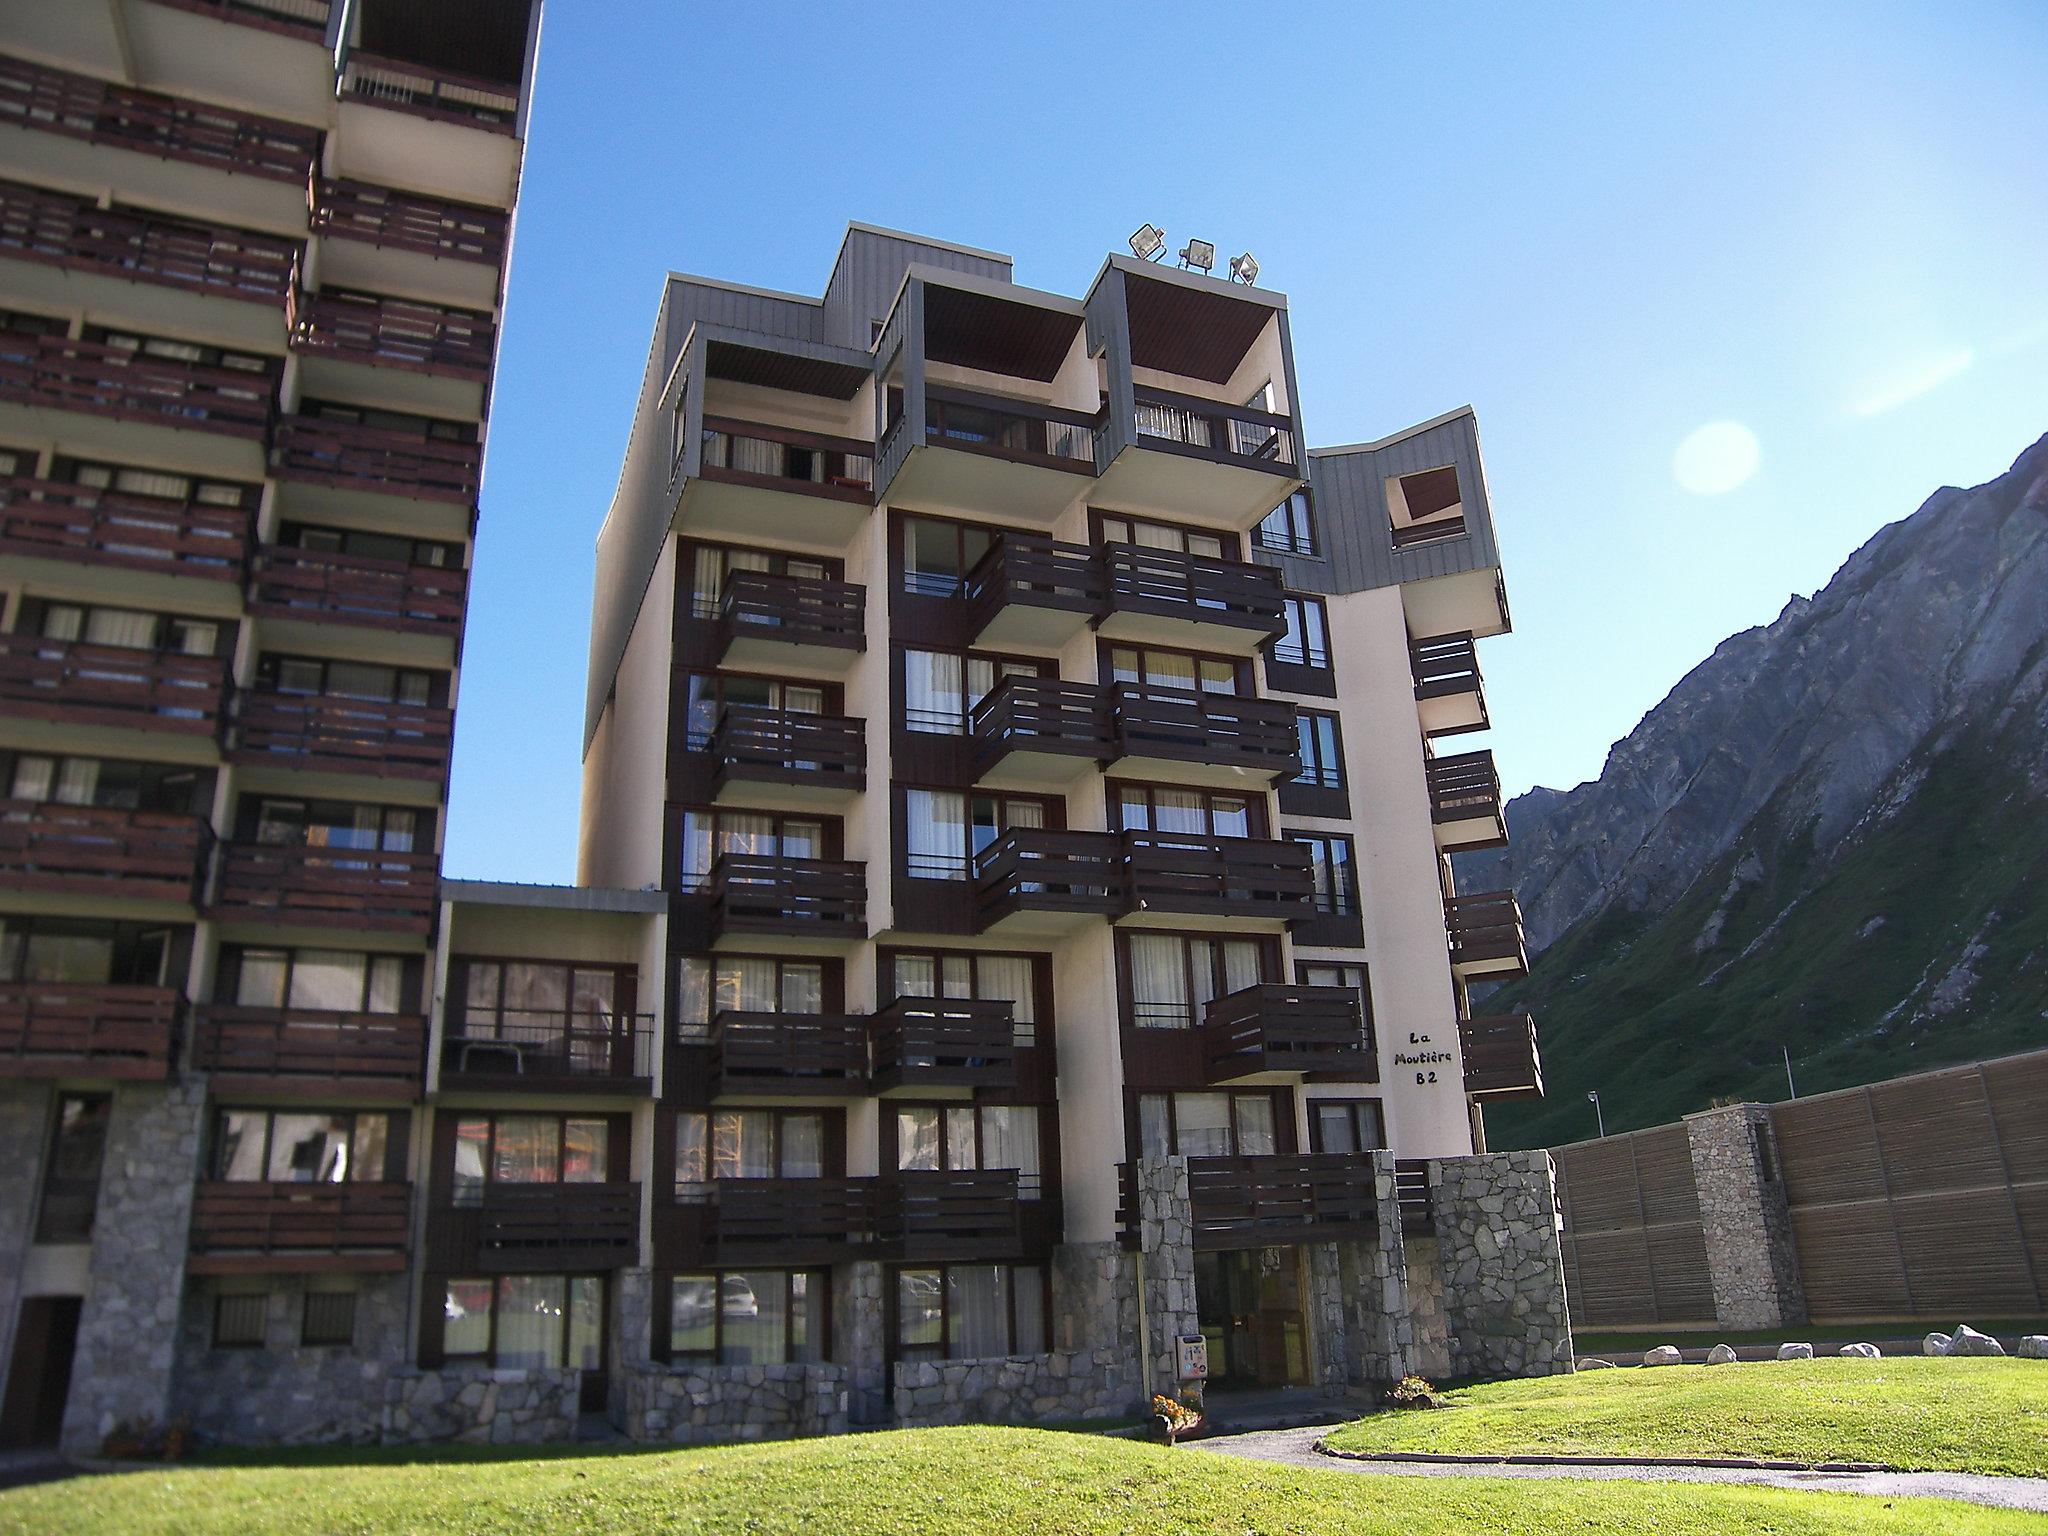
(554, 898)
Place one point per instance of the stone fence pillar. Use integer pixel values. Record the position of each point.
(1751, 1256)
(1503, 1265)
(1166, 1261)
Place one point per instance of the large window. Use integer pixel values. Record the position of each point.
(710, 565)
(1346, 1125)
(1157, 668)
(1290, 528)
(751, 1144)
(71, 1173)
(1209, 1124)
(709, 694)
(709, 835)
(937, 555)
(1170, 978)
(945, 829)
(368, 545)
(425, 429)
(312, 677)
(528, 1149)
(1150, 533)
(318, 980)
(89, 951)
(1323, 973)
(157, 484)
(1307, 641)
(749, 1317)
(1322, 749)
(964, 1137)
(708, 985)
(337, 824)
(941, 688)
(525, 1322)
(948, 973)
(538, 999)
(127, 629)
(969, 1311)
(301, 1146)
(1187, 812)
(109, 783)
(1336, 872)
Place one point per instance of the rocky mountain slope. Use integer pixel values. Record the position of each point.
(1830, 838)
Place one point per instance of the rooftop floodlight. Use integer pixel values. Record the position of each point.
(1149, 243)
(1245, 268)
(1199, 254)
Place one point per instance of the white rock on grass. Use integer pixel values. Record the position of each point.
(1592, 1364)
(1663, 1354)
(1934, 1344)
(1968, 1341)
(1721, 1354)
(1795, 1351)
(2034, 1347)
(1861, 1351)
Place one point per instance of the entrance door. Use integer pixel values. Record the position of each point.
(39, 1376)
(1248, 1302)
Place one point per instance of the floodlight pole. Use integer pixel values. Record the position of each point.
(1790, 1091)
(1599, 1115)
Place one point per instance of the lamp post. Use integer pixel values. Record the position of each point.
(1599, 1115)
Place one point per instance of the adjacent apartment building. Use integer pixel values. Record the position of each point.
(1015, 940)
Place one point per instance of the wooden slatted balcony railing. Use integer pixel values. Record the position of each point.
(1486, 934)
(52, 520)
(56, 101)
(407, 221)
(792, 610)
(78, 235)
(923, 1216)
(305, 19)
(1464, 800)
(300, 1051)
(59, 374)
(929, 1042)
(1218, 876)
(800, 1053)
(1029, 570)
(326, 887)
(394, 333)
(1257, 1202)
(757, 745)
(86, 850)
(74, 683)
(548, 1050)
(286, 1228)
(1040, 715)
(1444, 665)
(1210, 429)
(331, 586)
(764, 1221)
(536, 1229)
(776, 458)
(327, 734)
(1001, 427)
(1274, 1027)
(1501, 1059)
(351, 457)
(1413, 1199)
(1033, 869)
(1191, 726)
(437, 93)
(767, 893)
(1166, 583)
(88, 1029)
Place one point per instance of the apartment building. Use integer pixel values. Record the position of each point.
(252, 258)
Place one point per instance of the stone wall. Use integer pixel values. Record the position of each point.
(1751, 1256)
(287, 1392)
(707, 1404)
(1020, 1389)
(860, 1319)
(1428, 1326)
(1503, 1267)
(128, 1329)
(1165, 1263)
(475, 1405)
(24, 1141)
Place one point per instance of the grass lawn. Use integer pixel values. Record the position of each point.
(941, 1482)
(1611, 1345)
(1918, 1414)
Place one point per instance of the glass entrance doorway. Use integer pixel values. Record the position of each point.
(1248, 1302)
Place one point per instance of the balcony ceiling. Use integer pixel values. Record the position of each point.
(977, 330)
(1195, 332)
(779, 370)
(485, 39)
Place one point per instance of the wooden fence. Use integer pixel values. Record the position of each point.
(1633, 1250)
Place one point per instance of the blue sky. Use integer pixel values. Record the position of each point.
(1604, 226)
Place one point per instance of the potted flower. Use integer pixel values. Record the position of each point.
(1176, 1420)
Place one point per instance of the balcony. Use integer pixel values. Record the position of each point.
(537, 1229)
(930, 1216)
(295, 1229)
(78, 524)
(1032, 880)
(1316, 1033)
(98, 852)
(329, 587)
(427, 92)
(549, 1053)
(309, 1052)
(821, 899)
(310, 887)
(778, 623)
(408, 124)
(386, 241)
(1028, 590)
(808, 486)
(305, 19)
(71, 683)
(787, 1053)
(1258, 1202)
(1464, 802)
(1204, 459)
(1208, 738)
(1501, 1059)
(932, 1042)
(327, 734)
(1192, 600)
(1449, 696)
(74, 390)
(1039, 732)
(1232, 880)
(87, 1029)
(384, 332)
(1016, 458)
(789, 760)
(354, 468)
(765, 1221)
(1486, 936)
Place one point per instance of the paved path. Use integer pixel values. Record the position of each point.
(1296, 1448)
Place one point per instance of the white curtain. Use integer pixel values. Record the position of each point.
(932, 700)
(1159, 983)
(936, 833)
(977, 1311)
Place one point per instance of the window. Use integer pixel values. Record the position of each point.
(330, 1318)
(1322, 749)
(525, 1322)
(963, 1137)
(1290, 528)
(515, 999)
(948, 973)
(938, 555)
(165, 349)
(1336, 873)
(238, 1319)
(157, 484)
(88, 950)
(1117, 528)
(126, 629)
(711, 564)
(1208, 1124)
(426, 429)
(709, 835)
(945, 830)
(969, 1311)
(1306, 643)
(1346, 1125)
(336, 824)
(316, 980)
(750, 1144)
(1318, 973)
(1425, 505)
(1187, 812)
(367, 545)
(71, 1173)
(528, 1149)
(98, 781)
(941, 688)
(301, 1146)
(709, 694)
(1170, 978)
(749, 1317)
(311, 677)
(1157, 668)
(708, 985)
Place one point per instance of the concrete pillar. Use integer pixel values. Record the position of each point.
(128, 1330)
(860, 1318)
(1503, 1266)
(24, 1142)
(1751, 1254)
(1166, 1264)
